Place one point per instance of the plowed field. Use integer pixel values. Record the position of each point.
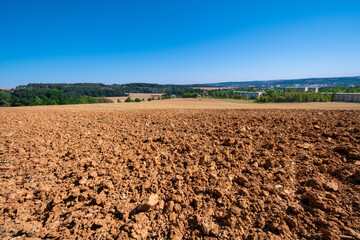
(179, 174)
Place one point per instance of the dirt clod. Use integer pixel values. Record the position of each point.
(149, 203)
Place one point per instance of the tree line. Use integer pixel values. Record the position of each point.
(32, 97)
(114, 90)
(340, 89)
(293, 96)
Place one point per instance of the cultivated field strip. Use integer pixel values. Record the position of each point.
(179, 174)
(189, 103)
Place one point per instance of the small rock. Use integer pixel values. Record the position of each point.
(149, 203)
(316, 182)
(101, 198)
(98, 223)
(172, 217)
(179, 177)
(229, 142)
(316, 127)
(208, 227)
(217, 192)
(244, 192)
(107, 184)
(330, 196)
(82, 181)
(177, 207)
(331, 186)
(242, 180)
(75, 192)
(354, 155)
(357, 163)
(93, 174)
(161, 204)
(291, 222)
(169, 206)
(123, 196)
(295, 208)
(305, 146)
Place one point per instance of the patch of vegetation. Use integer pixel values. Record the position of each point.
(129, 100)
(115, 90)
(80, 89)
(5, 98)
(339, 89)
(32, 97)
(292, 96)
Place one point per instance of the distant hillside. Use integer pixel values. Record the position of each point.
(335, 81)
(116, 90)
(102, 90)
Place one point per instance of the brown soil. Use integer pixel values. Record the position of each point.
(179, 174)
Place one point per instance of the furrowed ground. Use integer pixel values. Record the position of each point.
(117, 173)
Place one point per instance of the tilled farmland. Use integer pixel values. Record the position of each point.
(180, 174)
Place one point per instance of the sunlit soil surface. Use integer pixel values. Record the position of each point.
(180, 169)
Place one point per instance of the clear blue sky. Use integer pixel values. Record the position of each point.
(176, 41)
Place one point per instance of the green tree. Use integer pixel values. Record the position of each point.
(5, 98)
(128, 99)
(334, 97)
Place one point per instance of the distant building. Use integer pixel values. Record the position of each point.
(173, 96)
(303, 89)
(251, 95)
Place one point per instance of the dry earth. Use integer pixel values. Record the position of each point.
(179, 173)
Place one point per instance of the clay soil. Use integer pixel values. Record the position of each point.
(179, 174)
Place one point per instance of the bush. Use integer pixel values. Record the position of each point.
(190, 95)
(137, 100)
(129, 100)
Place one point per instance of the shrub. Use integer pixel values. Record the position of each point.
(129, 100)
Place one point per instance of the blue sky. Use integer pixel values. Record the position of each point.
(176, 41)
